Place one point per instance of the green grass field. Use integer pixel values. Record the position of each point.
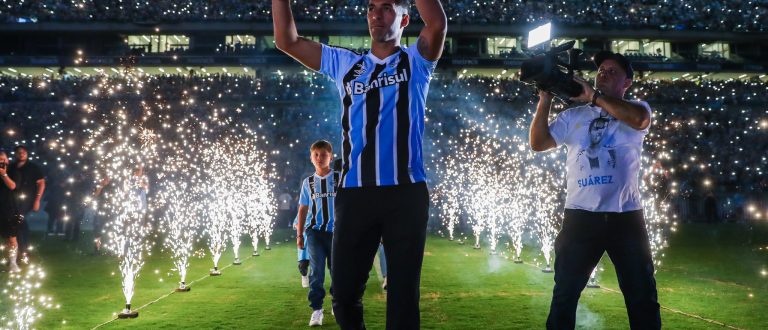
(708, 272)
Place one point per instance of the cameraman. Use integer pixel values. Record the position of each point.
(603, 210)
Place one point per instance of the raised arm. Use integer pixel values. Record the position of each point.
(634, 115)
(287, 39)
(539, 137)
(432, 36)
(7, 179)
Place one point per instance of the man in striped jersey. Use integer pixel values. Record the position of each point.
(383, 194)
(316, 221)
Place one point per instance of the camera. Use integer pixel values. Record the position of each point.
(2, 165)
(547, 72)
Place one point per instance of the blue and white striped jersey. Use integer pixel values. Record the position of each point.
(382, 116)
(319, 192)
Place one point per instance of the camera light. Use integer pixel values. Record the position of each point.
(539, 35)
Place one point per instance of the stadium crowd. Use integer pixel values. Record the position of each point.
(721, 15)
(704, 135)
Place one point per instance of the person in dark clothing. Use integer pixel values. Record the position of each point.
(55, 207)
(9, 215)
(79, 210)
(29, 190)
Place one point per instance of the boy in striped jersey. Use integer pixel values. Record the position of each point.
(383, 194)
(316, 221)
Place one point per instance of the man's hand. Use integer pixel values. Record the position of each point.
(587, 91)
(545, 96)
(300, 240)
(36, 205)
(3, 171)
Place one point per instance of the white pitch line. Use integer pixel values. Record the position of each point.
(164, 296)
(693, 316)
(677, 311)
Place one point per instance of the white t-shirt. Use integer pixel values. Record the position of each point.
(603, 161)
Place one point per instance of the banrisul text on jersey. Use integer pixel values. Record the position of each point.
(382, 117)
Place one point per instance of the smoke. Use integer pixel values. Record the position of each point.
(586, 319)
(495, 262)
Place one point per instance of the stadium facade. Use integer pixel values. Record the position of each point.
(29, 48)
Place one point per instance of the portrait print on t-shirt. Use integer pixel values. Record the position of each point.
(603, 159)
(598, 151)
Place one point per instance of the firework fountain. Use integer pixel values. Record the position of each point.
(260, 207)
(236, 226)
(656, 213)
(180, 193)
(22, 293)
(220, 197)
(491, 180)
(127, 229)
(519, 210)
(124, 140)
(254, 230)
(122, 148)
(238, 187)
(180, 223)
(447, 196)
(502, 185)
(546, 210)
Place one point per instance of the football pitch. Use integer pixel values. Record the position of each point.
(712, 276)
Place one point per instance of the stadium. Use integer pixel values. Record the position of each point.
(194, 104)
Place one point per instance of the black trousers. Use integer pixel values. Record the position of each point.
(55, 222)
(396, 215)
(72, 229)
(22, 237)
(578, 248)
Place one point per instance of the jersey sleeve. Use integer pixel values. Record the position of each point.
(334, 60)
(558, 128)
(304, 198)
(421, 66)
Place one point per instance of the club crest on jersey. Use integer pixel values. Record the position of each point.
(358, 87)
(394, 63)
(359, 70)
